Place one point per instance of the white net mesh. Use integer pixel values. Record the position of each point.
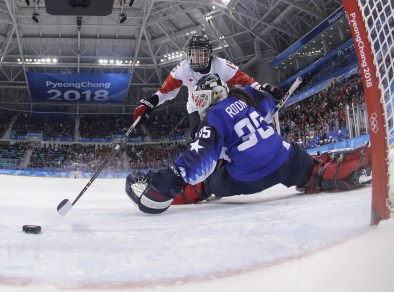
(379, 22)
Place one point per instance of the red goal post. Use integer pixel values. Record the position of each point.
(371, 25)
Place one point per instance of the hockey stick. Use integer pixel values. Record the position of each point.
(286, 97)
(65, 206)
(290, 92)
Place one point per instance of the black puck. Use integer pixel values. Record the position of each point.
(35, 229)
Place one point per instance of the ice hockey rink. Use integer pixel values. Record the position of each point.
(277, 240)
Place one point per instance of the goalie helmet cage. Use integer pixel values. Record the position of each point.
(371, 24)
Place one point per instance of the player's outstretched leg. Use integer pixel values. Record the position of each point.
(340, 170)
(191, 194)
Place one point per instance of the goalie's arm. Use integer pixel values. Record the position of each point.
(199, 161)
(192, 166)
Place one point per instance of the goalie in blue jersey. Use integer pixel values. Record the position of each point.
(234, 129)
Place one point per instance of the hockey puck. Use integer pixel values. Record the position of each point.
(35, 229)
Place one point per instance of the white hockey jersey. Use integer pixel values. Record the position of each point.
(183, 74)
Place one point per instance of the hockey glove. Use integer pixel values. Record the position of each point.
(154, 192)
(145, 108)
(275, 91)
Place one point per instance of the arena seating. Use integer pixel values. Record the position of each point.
(315, 121)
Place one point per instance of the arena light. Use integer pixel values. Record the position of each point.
(122, 17)
(111, 62)
(39, 61)
(36, 17)
(79, 21)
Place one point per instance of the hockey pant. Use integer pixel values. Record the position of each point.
(296, 170)
(340, 170)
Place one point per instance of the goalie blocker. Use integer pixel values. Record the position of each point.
(331, 171)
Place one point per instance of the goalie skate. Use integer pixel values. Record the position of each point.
(364, 177)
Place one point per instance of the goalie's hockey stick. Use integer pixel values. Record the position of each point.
(290, 92)
(65, 206)
(286, 97)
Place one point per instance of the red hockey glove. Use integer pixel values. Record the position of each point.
(145, 108)
(275, 91)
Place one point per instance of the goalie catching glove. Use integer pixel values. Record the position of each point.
(154, 192)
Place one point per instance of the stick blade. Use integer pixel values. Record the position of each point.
(64, 207)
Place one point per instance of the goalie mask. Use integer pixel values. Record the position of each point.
(198, 51)
(209, 90)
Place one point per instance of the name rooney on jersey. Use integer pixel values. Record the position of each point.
(234, 108)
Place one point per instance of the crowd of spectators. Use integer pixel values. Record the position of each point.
(5, 120)
(72, 157)
(167, 126)
(51, 128)
(104, 126)
(317, 120)
(12, 155)
(321, 116)
(93, 128)
(152, 156)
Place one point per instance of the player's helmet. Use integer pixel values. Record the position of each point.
(210, 90)
(198, 51)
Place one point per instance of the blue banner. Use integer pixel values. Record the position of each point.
(78, 88)
(321, 64)
(333, 18)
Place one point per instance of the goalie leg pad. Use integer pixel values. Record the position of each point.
(339, 171)
(338, 185)
(343, 171)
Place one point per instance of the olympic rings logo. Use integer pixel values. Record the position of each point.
(373, 123)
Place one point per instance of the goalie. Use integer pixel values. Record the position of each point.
(256, 157)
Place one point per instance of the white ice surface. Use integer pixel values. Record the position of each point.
(277, 240)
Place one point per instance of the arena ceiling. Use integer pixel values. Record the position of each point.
(148, 42)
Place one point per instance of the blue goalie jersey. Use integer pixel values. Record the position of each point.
(236, 132)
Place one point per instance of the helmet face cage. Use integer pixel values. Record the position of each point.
(198, 52)
(209, 90)
(202, 99)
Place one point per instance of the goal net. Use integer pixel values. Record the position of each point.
(372, 23)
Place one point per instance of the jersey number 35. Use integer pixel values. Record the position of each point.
(255, 127)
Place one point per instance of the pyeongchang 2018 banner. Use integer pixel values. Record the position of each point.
(78, 88)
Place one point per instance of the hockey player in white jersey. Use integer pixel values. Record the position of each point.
(199, 63)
